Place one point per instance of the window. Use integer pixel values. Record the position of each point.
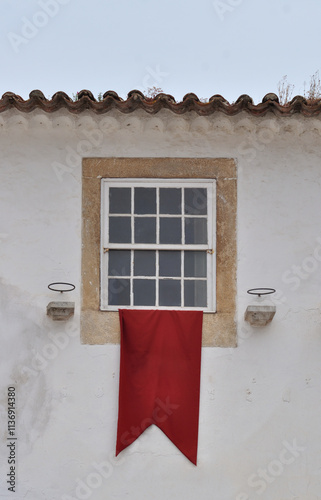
(169, 180)
(158, 244)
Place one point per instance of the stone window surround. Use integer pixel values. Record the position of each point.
(102, 327)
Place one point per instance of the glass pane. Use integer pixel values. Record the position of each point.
(195, 264)
(119, 230)
(145, 200)
(195, 231)
(119, 262)
(120, 200)
(170, 230)
(196, 201)
(169, 293)
(144, 263)
(195, 293)
(145, 230)
(118, 292)
(144, 292)
(170, 201)
(170, 263)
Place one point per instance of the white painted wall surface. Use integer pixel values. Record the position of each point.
(260, 411)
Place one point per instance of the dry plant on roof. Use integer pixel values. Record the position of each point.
(313, 94)
(285, 90)
(152, 92)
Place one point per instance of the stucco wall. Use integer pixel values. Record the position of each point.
(260, 410)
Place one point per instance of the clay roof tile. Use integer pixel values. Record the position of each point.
(152, 105)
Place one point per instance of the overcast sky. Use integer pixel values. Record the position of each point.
(228, 47)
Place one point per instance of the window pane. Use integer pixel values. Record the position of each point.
(144, 292)
(169, 293)
(170, 201)
(195, 264)
(119, 262)
(195, 230)
(195, 293)
(170, 230)
(119, 230)
(196, 201)
(170, 263)
(145, 200)
(119, 200)
(145, 230)
(118, 292)
(144, 263)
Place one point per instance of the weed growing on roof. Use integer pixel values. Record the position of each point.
(152, 92)
(285, 90)
(313, 94)
(75, 97)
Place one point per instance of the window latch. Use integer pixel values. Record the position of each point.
(210, 251)
(106, 250)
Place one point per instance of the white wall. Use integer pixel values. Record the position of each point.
(257, 401)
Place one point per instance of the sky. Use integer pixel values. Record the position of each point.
(227, 47)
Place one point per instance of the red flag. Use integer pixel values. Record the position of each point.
(160, 364)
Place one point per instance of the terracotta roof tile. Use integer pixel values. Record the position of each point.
(137, 100)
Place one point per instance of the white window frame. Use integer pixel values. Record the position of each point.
(210, 248)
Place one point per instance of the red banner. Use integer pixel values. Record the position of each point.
(160, 364)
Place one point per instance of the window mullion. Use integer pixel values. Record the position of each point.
(157, 216)
(153, 246)
(157, 240)
(183, 215)
(182, 277)
(157, 279)
(131, 280)
(132, 215)
(183, 242)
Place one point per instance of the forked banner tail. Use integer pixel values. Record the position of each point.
(160, 365)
